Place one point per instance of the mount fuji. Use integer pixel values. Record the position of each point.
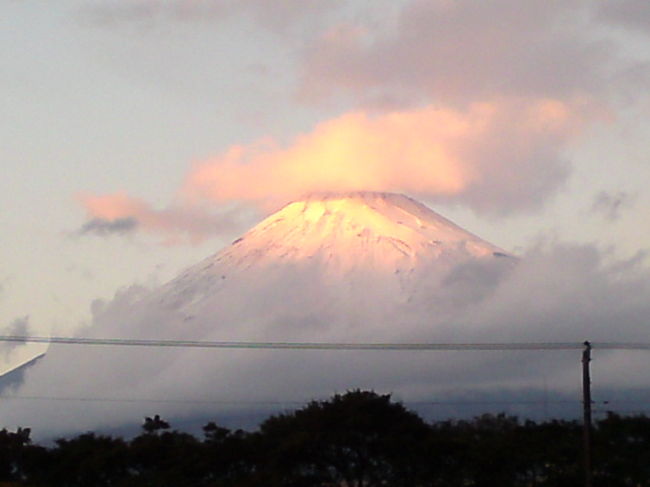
(360, 267)
(365, 266)
(355, 251)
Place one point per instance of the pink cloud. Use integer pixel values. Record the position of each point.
(498, 157)
(473, 103)
(119, 212)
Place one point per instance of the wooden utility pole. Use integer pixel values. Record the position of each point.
(586, 408)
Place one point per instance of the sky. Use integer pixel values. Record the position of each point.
(140, 136)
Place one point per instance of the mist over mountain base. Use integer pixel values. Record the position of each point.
(353, 268)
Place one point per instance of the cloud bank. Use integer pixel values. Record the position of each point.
(610, 205)
(18, 327)
(629, 14)
(456, 102)
(14, 353)
(500, 157)
(278, 16)
(103, 227)
(555, 293)
(467, 103)
(497, 157)
(460, 52)
(121, 214)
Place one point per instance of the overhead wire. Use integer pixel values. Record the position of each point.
(240, 402)
(600, 407)
(282, 345)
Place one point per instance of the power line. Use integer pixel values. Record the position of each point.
(620, 345)
(266, 345)
(601, 406)
(276, 402)
(154, 400)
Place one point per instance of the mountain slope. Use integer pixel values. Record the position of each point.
(359, 267)
(362, 243)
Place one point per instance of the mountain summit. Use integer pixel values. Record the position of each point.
(345, 230)
(349, 251)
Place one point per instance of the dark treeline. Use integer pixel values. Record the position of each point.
(356, 439)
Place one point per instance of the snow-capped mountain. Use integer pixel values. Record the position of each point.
(364, 267)
(356, 267)
(345, 231)
(356, 246)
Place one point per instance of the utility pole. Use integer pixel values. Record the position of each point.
(586, 409)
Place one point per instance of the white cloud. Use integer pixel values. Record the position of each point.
(555, 293)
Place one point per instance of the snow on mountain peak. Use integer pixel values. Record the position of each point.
(349, 242)
(381, 229)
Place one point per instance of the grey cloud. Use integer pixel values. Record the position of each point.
(283, 16)
(503, 55)
(519, 168)
(279, 16)
(104, 227)
(136, 11)
(5, 282)
(459, 51)
(175, 224)
(554, 293)
(504, 52)
(567, 292)
(632, 14)
(610, 205)
(18, 327)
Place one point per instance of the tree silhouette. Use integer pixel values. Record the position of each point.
(154, 425)
(230, 458)
(171, 458)
(622, 451)
(88, 461)
(357, 439)
(12, 452)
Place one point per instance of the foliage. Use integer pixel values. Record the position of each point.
(355, 439)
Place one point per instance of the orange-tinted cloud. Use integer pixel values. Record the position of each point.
(497, 156)
(118, 205)
(120, 213)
